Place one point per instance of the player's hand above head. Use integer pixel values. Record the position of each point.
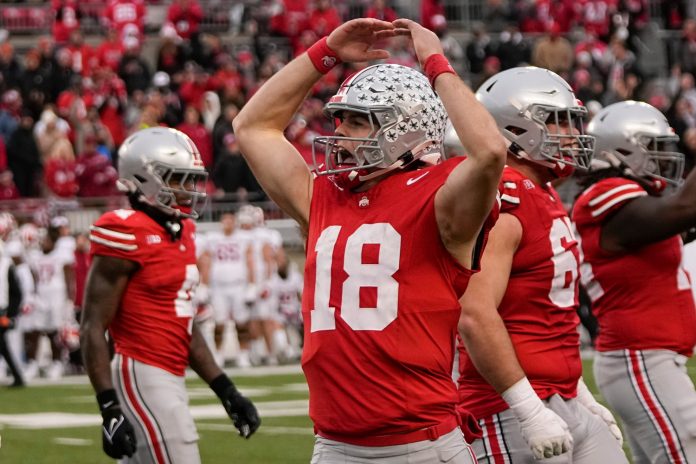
(425, 41)
(353, 40)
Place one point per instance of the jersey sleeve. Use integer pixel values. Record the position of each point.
(509, 195)
(604, 198)
(118, 236)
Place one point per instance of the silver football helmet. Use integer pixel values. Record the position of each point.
(406, 116)
(523, 102)
(636, 138)
(164, 167)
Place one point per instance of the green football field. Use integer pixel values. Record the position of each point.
(58, 423)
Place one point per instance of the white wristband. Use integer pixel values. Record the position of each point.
(522, 399)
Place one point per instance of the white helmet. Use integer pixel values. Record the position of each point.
(150, 159)
(8, 225)
(246, 216)
(259, 216)
(636, 138)
(523, 101)
(30, 235)
(406, 115)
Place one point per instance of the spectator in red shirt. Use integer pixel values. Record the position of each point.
(67, 19)
(8, 189)
(95, 175)
(380, 10)
(185, 16)
(194, 85)
(324, 18)
(171, 55)
(194, 128)
(289, 18)
(82, 56)
(127, 17)
(430, 8)
(59, 176)
(227, 73)
(110, 51)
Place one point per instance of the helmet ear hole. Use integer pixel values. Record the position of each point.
(515, 130)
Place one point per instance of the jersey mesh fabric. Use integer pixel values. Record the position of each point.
(542, 329)
(642, 298)
(385, 371)
(153, 322)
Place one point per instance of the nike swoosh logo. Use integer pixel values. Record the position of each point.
(114, 424)
(413, 180)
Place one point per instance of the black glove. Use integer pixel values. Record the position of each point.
(118, 436)
(240, 409)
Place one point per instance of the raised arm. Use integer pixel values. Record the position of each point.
(277, 165)
(649, 219)
(466, 198)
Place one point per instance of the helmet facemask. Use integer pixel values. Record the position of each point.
(573, 149)
(406, 118)
(637, 140)
(161, 168)
(188, 198)
(658, 160)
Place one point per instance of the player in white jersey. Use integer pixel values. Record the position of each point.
(286, 287)
(53, 269)
(227, 268)
(266, 245)
(272, 254)
(66, 242)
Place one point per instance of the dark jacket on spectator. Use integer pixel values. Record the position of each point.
(24, 161)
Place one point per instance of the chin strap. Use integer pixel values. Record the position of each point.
(171, 224)
(380, 172)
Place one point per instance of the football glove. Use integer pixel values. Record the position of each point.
(202, 295)
(118, 436)
(587, 399)
(239, 408)
(544, 431)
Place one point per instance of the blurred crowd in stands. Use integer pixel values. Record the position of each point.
(66, 106)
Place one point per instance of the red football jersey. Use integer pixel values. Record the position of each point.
(153, 322)
(380, 306)
(642, 299)
(539, 305)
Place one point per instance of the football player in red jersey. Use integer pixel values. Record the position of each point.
(633, 273)
(529, 274)
(139, 289)
(391, 240)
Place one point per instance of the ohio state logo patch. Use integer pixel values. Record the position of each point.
(328, 61)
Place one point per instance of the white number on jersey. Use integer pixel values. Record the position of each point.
(377, 275)
(587, 278)
(683, 279)
(565, 266)
(183, 304)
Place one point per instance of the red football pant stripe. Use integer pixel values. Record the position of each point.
(670, 439)
(151, 429)
(492, 427)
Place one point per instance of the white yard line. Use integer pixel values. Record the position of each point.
(265, 429)
(58, 420)
(72, 441)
